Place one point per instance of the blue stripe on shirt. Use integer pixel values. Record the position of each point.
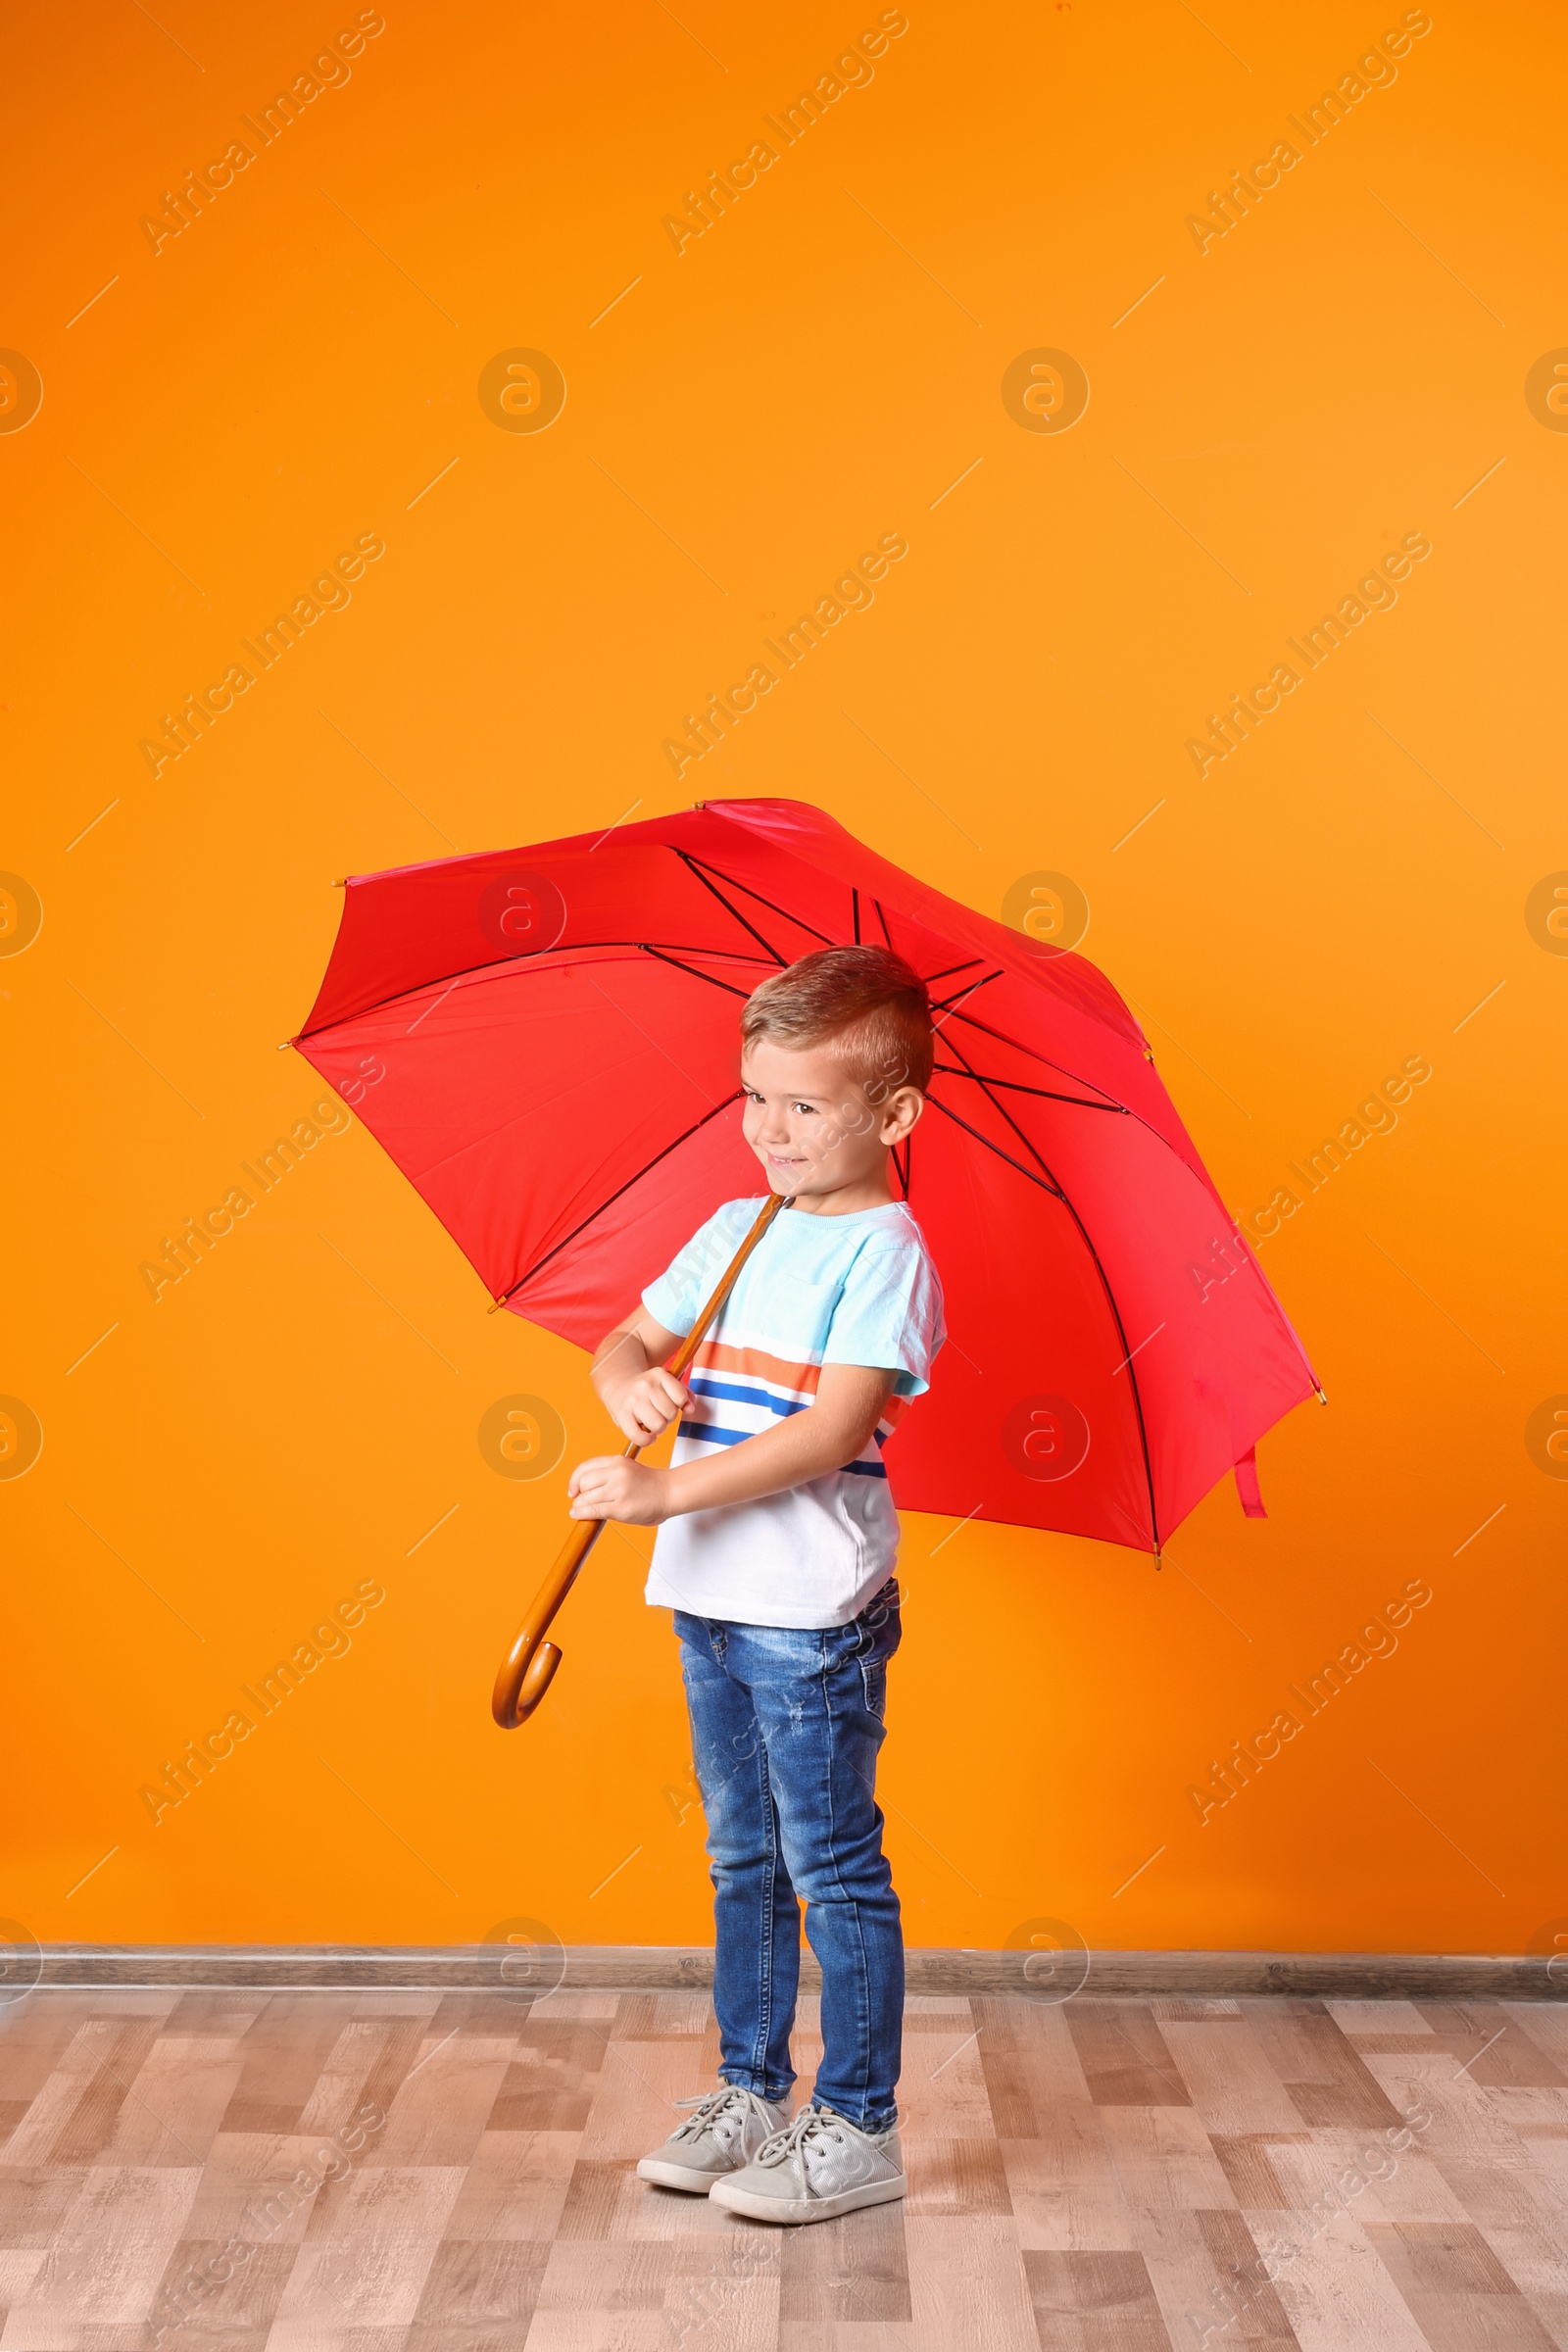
(709, 1433)
(702, 1387)
(783, 1407)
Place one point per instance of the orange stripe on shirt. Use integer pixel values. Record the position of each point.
(803, 1379)
(713, 1356)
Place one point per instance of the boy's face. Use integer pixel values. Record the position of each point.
(814, 1128)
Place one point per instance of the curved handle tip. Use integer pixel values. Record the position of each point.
(522, 1682)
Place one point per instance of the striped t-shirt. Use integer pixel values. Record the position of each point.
(858, 1289)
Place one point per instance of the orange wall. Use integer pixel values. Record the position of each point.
(1338, 895)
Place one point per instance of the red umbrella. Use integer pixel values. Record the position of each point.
(545, 1040)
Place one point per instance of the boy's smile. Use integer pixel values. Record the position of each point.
(818, 1130)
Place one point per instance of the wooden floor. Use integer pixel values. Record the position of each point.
(452, 2173)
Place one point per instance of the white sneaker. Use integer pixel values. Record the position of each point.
(815, 2169)
(723, 2131)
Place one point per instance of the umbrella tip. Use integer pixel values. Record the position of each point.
(284, 1047)
(1158, 1557)
(341, 881)
(1319, 1394)
(699, 804)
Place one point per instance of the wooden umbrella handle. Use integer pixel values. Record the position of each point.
(530, 1663)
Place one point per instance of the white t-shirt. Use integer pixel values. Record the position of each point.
(816, 1290)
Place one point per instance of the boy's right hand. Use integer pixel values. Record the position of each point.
(643, 1406)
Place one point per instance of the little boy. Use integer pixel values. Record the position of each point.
(776, 1542)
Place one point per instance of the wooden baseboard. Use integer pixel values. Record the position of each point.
(676, 1967)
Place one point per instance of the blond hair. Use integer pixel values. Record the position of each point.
(865, 1004)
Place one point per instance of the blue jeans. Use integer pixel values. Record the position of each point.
(786, 1725)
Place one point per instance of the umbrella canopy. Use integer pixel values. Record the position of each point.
(544, 1042)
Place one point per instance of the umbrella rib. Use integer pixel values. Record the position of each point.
(973, 988)
(1104, 1280)
(538, 1267)
(693, 867)
(1054, 1188)
(649, 950)
(1110, 1104)
(1199, 1174)
(1015, 1086)
(1027, 1140)
(800, 922)
(468, 970)
(1034, 1054)
(854, 911)
(948, 970)
(883, 920)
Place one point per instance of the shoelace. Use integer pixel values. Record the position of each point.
(813, 2122)
(707, 2107)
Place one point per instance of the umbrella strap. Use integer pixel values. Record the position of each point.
(1247, 1486)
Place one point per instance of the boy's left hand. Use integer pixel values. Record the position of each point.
(607, 1486)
